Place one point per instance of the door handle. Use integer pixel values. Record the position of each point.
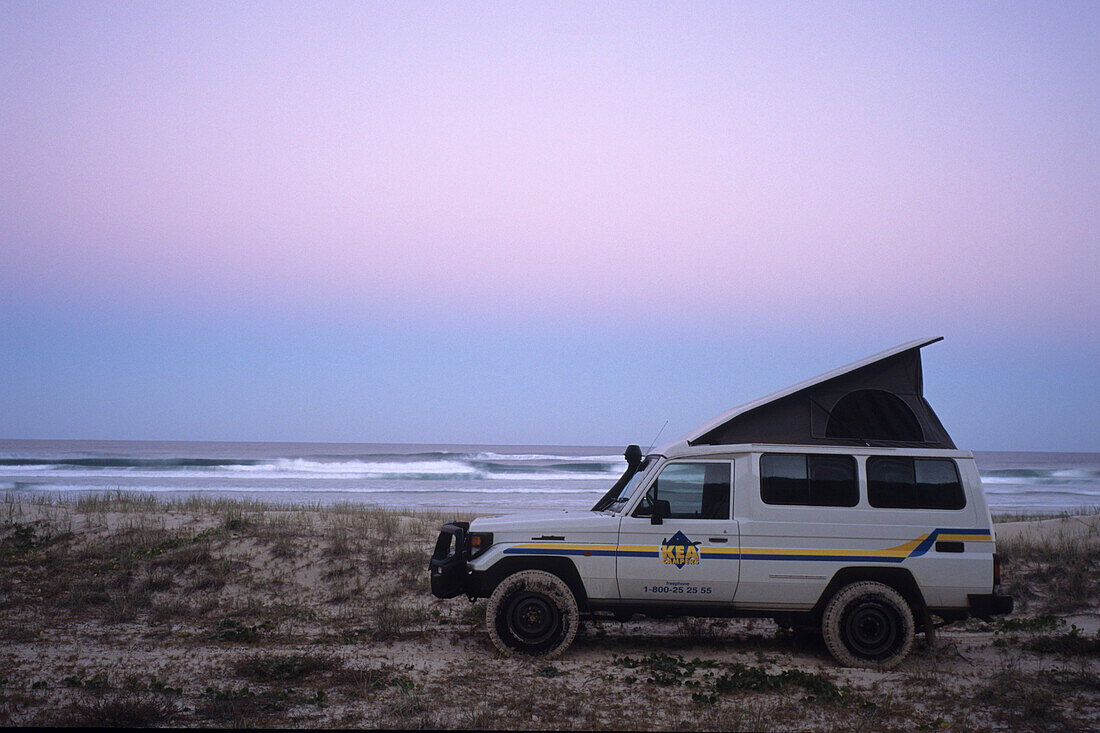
(719, 539)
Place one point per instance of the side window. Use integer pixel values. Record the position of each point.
(891, 483)
(693, 490)
(914, 483)
(807, 480)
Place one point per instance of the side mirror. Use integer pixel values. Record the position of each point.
(661, 510)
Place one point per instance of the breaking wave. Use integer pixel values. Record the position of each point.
(412, 467)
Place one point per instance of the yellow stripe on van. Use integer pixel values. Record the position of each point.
(899, 551)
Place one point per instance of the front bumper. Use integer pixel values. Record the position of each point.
(987, 605)
(448, 563)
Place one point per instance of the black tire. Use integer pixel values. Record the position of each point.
(532, 613)
(868, 624)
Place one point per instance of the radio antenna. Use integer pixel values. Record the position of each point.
(658, 435)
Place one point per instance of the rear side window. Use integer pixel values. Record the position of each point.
(914, 483)
(808, 480)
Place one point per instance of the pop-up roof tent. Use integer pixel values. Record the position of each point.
(878, 401)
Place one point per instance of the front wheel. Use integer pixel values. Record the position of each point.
(868, 624)
(534, 613)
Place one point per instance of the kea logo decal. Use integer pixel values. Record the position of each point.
(678, 550)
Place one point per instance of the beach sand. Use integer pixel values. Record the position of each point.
(124, 610)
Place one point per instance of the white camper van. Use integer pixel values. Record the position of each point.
(840, 504)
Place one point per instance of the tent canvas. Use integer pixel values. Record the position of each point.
(878, 401)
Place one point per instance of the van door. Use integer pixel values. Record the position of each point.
(693, 554)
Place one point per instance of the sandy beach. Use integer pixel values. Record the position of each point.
(129, 611)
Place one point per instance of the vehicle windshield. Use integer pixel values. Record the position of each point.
(632, 485)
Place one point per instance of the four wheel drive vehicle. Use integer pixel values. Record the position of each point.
(838, 504)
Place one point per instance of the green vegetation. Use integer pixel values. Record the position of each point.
(233, 630)
(711, 678)
(268, 667)
(19, 539)
(1072, 643)
(128, 710)
(1045, 622)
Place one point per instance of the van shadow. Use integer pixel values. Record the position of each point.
(757, 637)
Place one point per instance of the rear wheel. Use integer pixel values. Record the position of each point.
(534, 613)
(868, 624)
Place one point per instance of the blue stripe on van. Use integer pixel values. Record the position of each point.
(826, 558)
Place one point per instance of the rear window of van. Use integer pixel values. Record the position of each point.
(895, 482)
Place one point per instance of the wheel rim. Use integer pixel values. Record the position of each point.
(871, 629)
(532, 618)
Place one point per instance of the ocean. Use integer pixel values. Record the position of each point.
(474, 478)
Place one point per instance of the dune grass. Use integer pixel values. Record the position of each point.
(1031, 516)
(122, 609)
(1056, 572)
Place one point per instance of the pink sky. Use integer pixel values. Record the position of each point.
(716, 167)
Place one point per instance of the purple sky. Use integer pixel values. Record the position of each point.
(527, 223)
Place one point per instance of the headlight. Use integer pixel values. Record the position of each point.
(479, 542)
